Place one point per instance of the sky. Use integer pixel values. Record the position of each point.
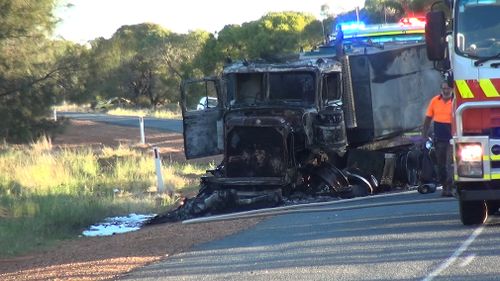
(90, 19)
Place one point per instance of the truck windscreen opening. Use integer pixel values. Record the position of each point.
(271, 87)
(292, 86)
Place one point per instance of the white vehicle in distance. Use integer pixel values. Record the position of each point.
(206, 102)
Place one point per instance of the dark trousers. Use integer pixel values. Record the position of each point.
(443, 163)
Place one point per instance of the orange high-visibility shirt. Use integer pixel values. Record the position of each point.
(439, 109)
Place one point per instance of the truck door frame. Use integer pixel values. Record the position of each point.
(202, 129)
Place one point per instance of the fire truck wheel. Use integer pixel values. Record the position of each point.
(473, 212)
(493, 207)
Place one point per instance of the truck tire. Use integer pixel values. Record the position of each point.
(473, 212)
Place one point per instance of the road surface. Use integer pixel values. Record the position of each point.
(401, 242)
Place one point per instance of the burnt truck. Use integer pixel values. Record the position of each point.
(322, 124)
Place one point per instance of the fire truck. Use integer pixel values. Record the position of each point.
(464, 41)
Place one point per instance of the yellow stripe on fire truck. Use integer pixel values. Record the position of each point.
(486, 85)
(488, 88)
(492, 158)
(485, 177)
(464, 90)
(491, 177)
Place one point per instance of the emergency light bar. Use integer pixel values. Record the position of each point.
(383, 30)
(416, 21)
(352, 25)
(355, 29)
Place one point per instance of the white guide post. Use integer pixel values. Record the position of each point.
(55, 114)
(141, 125)
(159, 175)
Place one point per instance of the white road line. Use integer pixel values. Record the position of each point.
(456, 254)
(467, 260)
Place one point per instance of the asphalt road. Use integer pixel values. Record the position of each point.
(401, 242)
(149, 122)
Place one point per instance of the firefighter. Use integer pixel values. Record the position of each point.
(339, 42)
(439, 111)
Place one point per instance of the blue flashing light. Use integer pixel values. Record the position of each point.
(478, 2)
(352, 25)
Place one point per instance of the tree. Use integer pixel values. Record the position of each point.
(29, 69)
(145, 64)
(182, 55)
(272, 36)
(23, 19)
(127, 65)
(380, 11)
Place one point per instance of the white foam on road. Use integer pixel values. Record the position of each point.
(116, 225)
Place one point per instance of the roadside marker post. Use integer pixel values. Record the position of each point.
(55, 114)
(141, 125)
(159, 175)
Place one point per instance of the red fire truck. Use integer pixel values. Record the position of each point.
(465, 42)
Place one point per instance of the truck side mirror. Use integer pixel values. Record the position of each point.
(435, 34)
(449, 4)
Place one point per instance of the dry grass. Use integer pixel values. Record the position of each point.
(38, 189)
(3, 213)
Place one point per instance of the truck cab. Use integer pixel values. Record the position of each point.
(271, 122)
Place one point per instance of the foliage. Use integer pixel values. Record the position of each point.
(379, 11)
(31, 68)
(273, 36)
(20, 18)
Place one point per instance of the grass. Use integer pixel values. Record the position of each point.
(170, 111)
(72, 107)
(161, 113)
(49, 194)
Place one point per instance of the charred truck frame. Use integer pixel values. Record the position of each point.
(322, 124)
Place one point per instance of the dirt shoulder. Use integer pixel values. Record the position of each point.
(105, 258)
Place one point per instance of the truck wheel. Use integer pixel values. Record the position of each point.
(473, 212)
